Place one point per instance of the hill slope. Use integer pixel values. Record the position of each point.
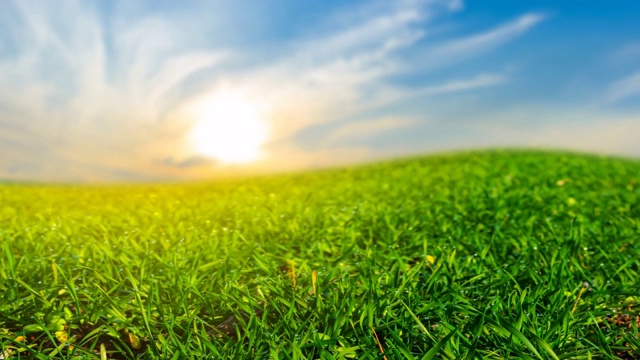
(480, 254)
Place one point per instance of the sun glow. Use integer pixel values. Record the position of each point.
(230, 128)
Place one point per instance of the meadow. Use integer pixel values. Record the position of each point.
(486, 254)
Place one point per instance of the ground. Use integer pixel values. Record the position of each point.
(487, 254)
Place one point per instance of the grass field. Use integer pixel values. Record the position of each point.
(491, 254)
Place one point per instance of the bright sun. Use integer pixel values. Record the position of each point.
(230, 128)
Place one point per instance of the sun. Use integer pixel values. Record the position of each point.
(229, 128)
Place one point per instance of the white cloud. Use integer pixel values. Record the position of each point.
(331, 78)
(624, 88)
(98, 99)
(460, 49)
(478, 81)
(73, 115)
(627, 54)
(374, 127)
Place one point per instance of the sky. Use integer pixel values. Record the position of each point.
(101, 91)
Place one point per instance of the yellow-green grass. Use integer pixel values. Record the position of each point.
(489, 254)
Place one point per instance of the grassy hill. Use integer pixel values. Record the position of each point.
(492, 254)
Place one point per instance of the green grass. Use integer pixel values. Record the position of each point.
(492, 254)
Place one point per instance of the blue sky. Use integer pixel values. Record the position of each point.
(110, 91)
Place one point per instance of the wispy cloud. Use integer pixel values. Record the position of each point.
(329, 82)
(626, 54)
(369, 128)
(478, 81)
(627, 87)
(461, 49)
(84, 104)
(106, 95)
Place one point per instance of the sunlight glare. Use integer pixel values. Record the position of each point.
(230, 128)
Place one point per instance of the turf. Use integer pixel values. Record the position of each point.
(490, 254)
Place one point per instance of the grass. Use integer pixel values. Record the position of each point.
(491, 254)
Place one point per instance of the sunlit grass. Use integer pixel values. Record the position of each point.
(502, 254)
